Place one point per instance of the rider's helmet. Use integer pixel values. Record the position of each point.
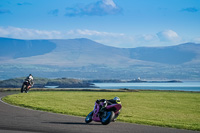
(30, 77)
(117, 99)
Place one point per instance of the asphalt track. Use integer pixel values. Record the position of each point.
(15, 119)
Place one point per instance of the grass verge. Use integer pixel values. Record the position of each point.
(167, 109)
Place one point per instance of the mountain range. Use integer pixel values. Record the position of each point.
(84, 55)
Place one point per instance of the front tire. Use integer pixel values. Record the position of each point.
(88, 118)
(107, 118)
(22, 89)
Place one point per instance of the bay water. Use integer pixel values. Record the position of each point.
(176, 86)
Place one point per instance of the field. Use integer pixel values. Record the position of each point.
(167, 109)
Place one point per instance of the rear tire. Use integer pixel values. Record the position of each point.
(107, 118)
(88, 118)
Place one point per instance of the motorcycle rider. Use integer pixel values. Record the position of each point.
(28, 82)
(30, 79)
(115, 100)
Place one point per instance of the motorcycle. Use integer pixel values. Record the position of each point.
(25, 86)
(109, 113)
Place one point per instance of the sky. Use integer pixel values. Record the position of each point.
(118, 23)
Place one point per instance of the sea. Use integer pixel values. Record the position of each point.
(176, 86)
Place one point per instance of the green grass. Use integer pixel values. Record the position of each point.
(167, 109)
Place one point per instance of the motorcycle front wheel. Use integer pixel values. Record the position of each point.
(88, 118)
(23, 88)
(107, 117)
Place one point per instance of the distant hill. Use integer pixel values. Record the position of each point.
(178, 54)
(84, 58)
(15, 48)
(82, 52)
(72, 52)
(42, 82)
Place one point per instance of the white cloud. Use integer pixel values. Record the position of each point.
(24, 33)
(149, 37)
(197, 40)
(87, 32)
(110, 3)
(168, 35)
(98, 8)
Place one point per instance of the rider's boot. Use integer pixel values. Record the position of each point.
(115, 118)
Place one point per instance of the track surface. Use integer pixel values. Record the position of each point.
(20, 120)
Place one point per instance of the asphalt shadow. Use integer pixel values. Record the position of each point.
(73, 123)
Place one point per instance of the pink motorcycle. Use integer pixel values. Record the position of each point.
(105, 116)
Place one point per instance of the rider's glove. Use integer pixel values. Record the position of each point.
(97, 101)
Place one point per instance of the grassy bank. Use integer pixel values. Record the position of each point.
(168, 109)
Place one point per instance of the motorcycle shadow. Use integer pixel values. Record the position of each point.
(73, 123)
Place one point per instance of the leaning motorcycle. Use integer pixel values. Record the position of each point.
(106, 116)
(25, 86)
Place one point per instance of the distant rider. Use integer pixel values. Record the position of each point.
(30, 79)
(115, 100)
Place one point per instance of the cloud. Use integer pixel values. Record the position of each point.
(23, 3)
(190, 9)
(23, 33)
(168, 35)
(148, 37)
(5, 11)
(100, 8)
(87, 32)
(54, 12)
(197, 40)
(109, 3)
